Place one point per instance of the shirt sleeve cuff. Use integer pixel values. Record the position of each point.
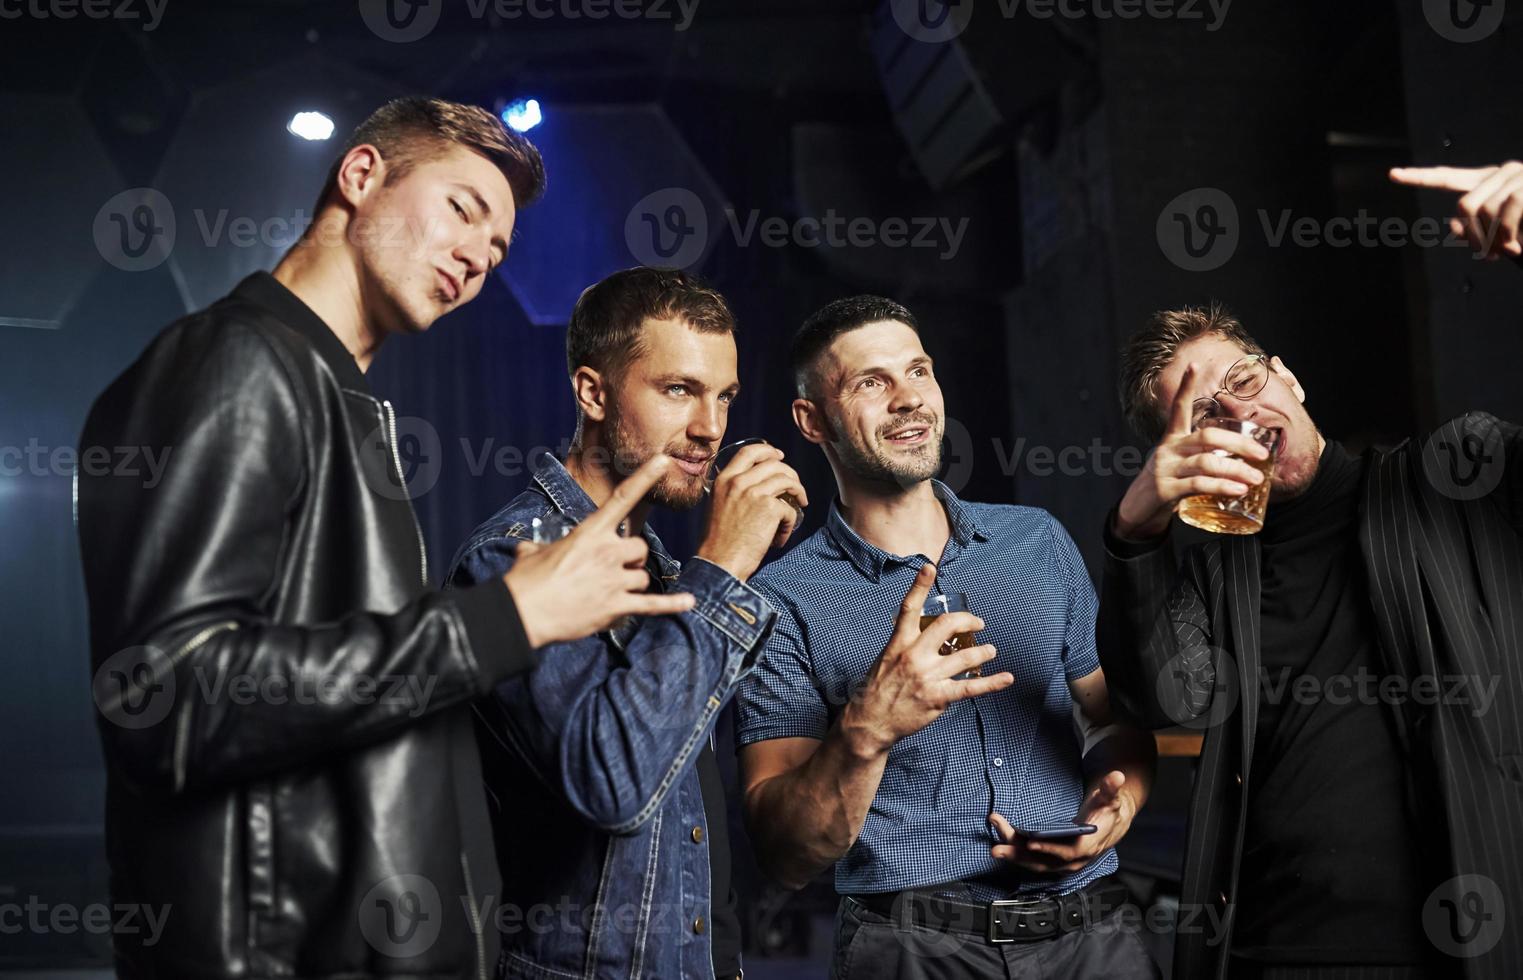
(732, 606)
(495, 632)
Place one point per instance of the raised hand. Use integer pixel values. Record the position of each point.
(1490, 209)
(1183, 464)
(593, 577)
(913, 682)
(749, 514)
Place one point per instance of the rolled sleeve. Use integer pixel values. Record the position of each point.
(1081, 656)
(779, 698)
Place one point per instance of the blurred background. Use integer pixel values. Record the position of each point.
(1031, 177)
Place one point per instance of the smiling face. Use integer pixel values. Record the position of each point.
(1278, 406)
(673, 397)
(883, 408)
(426, 241)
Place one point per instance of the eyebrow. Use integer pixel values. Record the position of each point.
(486, 212)
(869, 371)
(695, 384)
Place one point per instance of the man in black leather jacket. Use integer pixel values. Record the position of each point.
(292, 777)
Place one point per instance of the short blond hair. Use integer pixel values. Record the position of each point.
(1149, 351)
(415, 130)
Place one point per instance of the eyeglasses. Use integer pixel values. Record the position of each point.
(1243, 380)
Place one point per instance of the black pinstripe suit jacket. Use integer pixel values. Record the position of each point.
(1441, 528)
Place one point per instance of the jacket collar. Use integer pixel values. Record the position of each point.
(268, 293)
(557, 483)
(870, 559)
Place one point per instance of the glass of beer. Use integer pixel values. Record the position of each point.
(935, 606)
(1234, 515)
(722, 459)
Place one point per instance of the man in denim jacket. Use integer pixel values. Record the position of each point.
(600, 770)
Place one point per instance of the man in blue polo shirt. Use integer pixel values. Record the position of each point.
(866, 745)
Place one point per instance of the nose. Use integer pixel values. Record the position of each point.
(707, 423)
(906, 398)
(1234, 408)
(476, 256)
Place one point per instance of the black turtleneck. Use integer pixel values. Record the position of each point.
(1330, 867)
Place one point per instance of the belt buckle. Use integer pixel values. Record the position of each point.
(1006, 903)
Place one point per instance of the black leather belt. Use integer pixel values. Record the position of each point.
(1013, 920)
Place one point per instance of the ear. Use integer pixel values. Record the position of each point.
(1289, 379)
(590, 392)
(360, 173)
(810, 419)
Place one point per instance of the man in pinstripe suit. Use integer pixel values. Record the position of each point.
(1355, 666)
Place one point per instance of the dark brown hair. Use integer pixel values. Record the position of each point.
(605, 327)
(1149, 351)
(416, 130)
(831, 321)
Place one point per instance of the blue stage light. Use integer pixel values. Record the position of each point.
(523, 115)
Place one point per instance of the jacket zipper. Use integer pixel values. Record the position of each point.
(396, 458)
(470, 890)
(182, 735)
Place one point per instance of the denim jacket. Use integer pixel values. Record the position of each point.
(589, 765)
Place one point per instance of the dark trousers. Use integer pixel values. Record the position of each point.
(870, 946)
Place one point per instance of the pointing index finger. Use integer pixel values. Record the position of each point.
(914, 599)
(628, 494)
(1179, 411)
(1459, 179)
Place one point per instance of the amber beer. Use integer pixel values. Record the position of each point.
(1235, 515)
(935, 606)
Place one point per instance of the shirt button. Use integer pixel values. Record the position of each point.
(698, 925)
(697, 835)
(998, 761)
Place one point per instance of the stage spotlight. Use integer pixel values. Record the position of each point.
(311, 126)
(522, 115)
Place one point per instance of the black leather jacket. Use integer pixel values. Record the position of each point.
(292, 775)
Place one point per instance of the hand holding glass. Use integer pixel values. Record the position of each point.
(1227, 514)
(724, 456)
(938, 605)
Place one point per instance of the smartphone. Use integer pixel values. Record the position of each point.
(1056, 831)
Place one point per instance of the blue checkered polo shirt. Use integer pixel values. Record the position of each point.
(1014, 751)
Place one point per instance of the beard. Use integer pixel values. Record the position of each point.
(875, 463)
(677, 490)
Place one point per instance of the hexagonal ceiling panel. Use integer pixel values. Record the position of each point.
(623, 188)
(49, 253)
(238, 186)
